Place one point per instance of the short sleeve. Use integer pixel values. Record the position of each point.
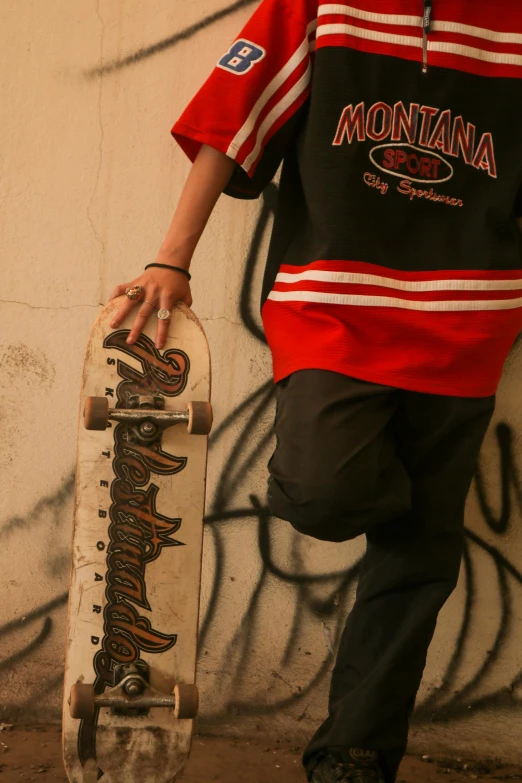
(251, 105)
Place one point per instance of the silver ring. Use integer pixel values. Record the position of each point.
(145, 301)
(164, 314)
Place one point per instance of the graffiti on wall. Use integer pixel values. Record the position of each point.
(317, 598)
(320, 599)
(37, 625)
(168, 43)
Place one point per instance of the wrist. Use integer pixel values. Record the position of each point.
(177, 250)
(173, 258)
(171, 268)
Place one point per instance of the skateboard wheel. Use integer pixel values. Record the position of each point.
(200, 418)
(81, 704)
(96, 413)
(186, 699)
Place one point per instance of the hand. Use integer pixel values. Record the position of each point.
(161, 288)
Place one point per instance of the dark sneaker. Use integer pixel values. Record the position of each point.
(363, 767)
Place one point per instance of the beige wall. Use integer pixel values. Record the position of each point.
(89, 178)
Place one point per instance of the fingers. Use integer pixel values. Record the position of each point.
(162, 331)
(126, 307)
(158, 293)
(147, 308)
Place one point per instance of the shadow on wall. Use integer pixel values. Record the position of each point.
(318, 598)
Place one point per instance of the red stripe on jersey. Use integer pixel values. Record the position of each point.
(502, 15)
(456, 61)
(477, 67)
(466, 44)
(371, 47)
(458, 354)
(483, 44)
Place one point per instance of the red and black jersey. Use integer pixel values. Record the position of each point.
(395, 255)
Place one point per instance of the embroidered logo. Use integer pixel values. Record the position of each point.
(415, 140)
(241, 57)
(405, 160)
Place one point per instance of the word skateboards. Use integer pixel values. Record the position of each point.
(129, 696)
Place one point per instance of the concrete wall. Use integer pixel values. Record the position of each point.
(89, 178)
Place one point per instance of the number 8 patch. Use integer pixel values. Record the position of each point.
(241, 57)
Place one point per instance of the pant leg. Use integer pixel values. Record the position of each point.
(335, 472)
(410, 568)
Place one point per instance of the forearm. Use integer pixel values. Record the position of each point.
(208, 177)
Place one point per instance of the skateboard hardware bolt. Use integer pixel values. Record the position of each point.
(138, 668)
(134, 686)
(156, 401)
(147, 431)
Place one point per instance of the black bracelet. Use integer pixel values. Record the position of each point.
(169, 266)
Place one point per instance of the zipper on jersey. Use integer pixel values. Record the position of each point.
(426, 27)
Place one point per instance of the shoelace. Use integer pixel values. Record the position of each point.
(345, 771)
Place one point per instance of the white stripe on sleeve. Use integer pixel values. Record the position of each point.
(276, 112)
(295, 60)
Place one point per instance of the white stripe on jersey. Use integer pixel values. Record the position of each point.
(356, 278)
(369, 16)
(477, 32)
(437, 25)
(475, 54)
(371, 35)
(408, 40)
(321, 297)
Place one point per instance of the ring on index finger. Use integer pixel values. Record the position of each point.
(164, 314)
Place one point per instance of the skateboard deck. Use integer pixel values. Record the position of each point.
(137, 542)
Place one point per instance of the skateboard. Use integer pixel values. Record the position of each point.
(129, 693)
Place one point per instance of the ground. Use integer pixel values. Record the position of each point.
(34, 753)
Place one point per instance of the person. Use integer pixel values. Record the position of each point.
(391, 298)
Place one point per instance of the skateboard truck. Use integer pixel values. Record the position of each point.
(145, 416)
(132, 693)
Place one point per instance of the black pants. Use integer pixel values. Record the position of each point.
(355, 457)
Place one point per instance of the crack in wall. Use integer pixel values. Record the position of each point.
(46, 307)
(221, 318)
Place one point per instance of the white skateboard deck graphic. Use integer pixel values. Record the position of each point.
(136, 570)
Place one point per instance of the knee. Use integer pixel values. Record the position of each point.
(324, 509)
